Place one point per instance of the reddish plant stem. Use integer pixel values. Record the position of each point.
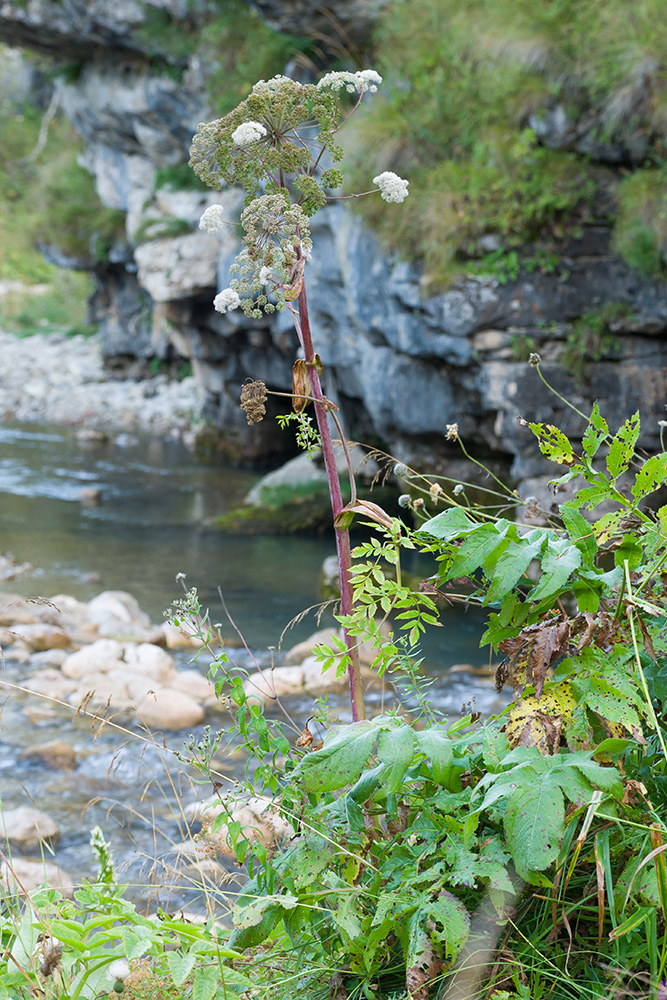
(342, 535)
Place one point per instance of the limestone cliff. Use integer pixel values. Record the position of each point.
(401, 366)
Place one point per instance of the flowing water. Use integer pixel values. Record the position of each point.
(152, 521)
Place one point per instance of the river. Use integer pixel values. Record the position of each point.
(152, 522)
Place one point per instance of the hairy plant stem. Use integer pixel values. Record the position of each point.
(342, 535)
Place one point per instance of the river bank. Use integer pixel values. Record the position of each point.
(51, 378)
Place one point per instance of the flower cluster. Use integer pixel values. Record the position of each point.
(365, 79)
(248, 132)
(392, 187)
(277, 238)
(226, 300)
(261, 140)
(212, 218)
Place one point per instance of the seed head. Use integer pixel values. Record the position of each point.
(253, 398)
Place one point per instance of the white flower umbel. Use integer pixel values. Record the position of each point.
(212, 219)
(118, 970)
(365, 79)
(392, 187)
(226, 300)
(248, 132)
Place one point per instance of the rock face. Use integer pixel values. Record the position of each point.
(401, 366)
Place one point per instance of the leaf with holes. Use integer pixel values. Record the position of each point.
(650, 477)
(595, 433)
(622, 447)
(554, 444)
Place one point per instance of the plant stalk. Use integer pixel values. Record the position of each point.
(343, 548)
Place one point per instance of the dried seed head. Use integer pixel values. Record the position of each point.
(253, 398)
(452, 432)
(534, 360)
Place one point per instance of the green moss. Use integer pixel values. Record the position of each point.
(285, 510)
(640, 235)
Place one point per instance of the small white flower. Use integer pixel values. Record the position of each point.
(118, 970)
(212, 218)
(366, 79)
(226, 300)
(459, 489)
(248, 132)
(265, 275)
(392, 187)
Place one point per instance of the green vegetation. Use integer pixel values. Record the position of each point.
(591, 338)
(59, 306)
(532, 842)
(460, 82)
(236, 46)
(47, 201)
(640, 234)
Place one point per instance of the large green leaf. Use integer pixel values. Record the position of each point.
(341, 760)
(622, 447)
(438, 748)
(512, 565)
(559, 562)
(477, 548)
(180, 966)
(580, 531)
(396, 749)
(534, 824)
(448, 525)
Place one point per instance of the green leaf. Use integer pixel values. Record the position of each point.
(450, 922)
(494, 748)
(341, 760)
(595, 433)
(477, 548)
(588, 598)
(512, 565)
(439, 749)
(396, 748)
(252, 914)
(205, 984)
(651, 476)
(558, 563)
(554, 444)
(580, 531)
(534, 824)
(135, 942)
(449, 524)
(622, 447)
(180, 966)
(346, 912)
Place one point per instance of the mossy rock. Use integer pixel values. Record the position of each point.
(303, 509)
